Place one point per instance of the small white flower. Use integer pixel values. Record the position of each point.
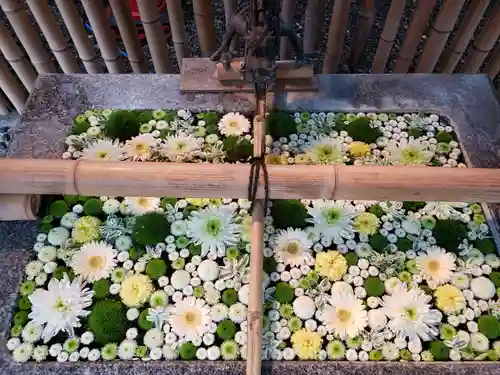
(126, 349)
(41, 278)
(170, 352)
(180, 279)
(84, 352)
(32, 332)
(94, 355)
(132, 314)
(114, 289)
(219, 312)
(132, 333)
(62, 357)
(87, 338)
(58, 235)
(351, 355)
(40, 353)
(479, 342)
(111, 206)
(23, 352)
(13, 343)
(103, 150)
(304, 307)
(237, 312)
(483, 288)
(376, 319)
(213, 353)
(47, 254)
(208, 270)
(390, 351)
(156, 353)
(74, 357)
(94, 261)
(234, 124)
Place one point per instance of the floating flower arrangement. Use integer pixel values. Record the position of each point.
(163, 278)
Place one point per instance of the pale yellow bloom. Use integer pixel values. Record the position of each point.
(86, 229)
(331, 264)
(449, 299)
(306, 344)
(359, 149)
(366, 223)
(136, 290)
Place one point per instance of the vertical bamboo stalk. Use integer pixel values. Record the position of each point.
(176, 19)
(50, 29)
(29, 38)
(484, 43)
(362, 31)
(155, 35)
(493, 66)
(286, 15)
(11, 87)
(16, 58)
(336, 34)
(441, 30)
(105, 38)
(230, 8)
(128, 32)
(4, 104)
(313, 24)
(205, 26)
(459, 43)
(414, 34)
(73, 23)
(388, 35)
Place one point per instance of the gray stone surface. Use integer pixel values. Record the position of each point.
(468, 101)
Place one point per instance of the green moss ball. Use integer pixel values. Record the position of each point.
(101, 289)
(283, 293)
(376, 210)
(413, 206)
(24, 303)
(449, 234)
(108, 321)
(143, 321)
(59, 272)
(495, 278)
(440, 352)
(374, 286)
(226, 329)
(150, 229)
(237, 148)
(360, 130)
(485, 245)
(156, 268)
(280, 124)
(288, 213)
(93, 207)
(269, 265)
(122, 125)
(351, 258)
(145, 116)
(71, 199)
(187, 351)
(378, 242)
(135, 253)
(404, 244)
(59, 208)
(21, 318)
(415, 132)
(489, 326)
(444, 137)
(229, 297)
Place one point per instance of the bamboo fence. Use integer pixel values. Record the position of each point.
(362, 31)
(4, 105)
(11, 87)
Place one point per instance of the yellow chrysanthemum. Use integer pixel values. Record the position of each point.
(331, 264)
(198, 202)
(246, 229)
(86, 229)
(136, 290)
(366, 223)
(276, 159)
(302, 159)
(449, 299)
(359, 149)
(306, 344)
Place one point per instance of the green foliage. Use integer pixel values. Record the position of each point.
(269, 265)
(150, 228)
(229, 297)
(495, 278)
(194, 249)
(283, 293)
(376, 210)
(187, 351)
(378, 242)
(59, 208)
(108, 321)
(156, 268)
(210, 118)
(226, 329)
(71, 199)
(93, 207)
(168, 200)
(122, 124)
(413, 206)
(80, 125)
(485, 245)
(374, 286)
(440, 352)
(415, 132)
(101, 289)
(143, 321)
(145, 116)
(360, 130)
(444, 137)
(288, 213)
(24, 303)
(280, 124)
(45, 228)
(59, 272)
(404, 244)
(489, 326)
(352, 258)
(135, 253)
(237, 148)
(449, 234)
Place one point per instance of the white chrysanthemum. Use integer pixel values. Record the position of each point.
(213, 228)
(376, 319)
(326, 150)
(408, 152)
(410, 315)
(189, 318)
(304, 307)
(436, 266)
(94, 261)
(153, 338)
(141, 205)
(292, 246)
(60, 307)
(22, 353)
(181, 147)
(234, 124)
(126, 350)
(332, 219)
(140, 147)
(103, 150)
(483, 288)
(345, 316)
(31, 332)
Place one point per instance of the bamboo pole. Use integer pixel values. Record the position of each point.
(417, 27)
(336, 34)
(204, 26)
(151, 20)
(441, 30)
(176, 19)
(39, 176)
(107, 43)
(362, 31)
(73, 23)
(459, 43)
(230, 9)
(4, 104)
(11, 87)
(17, 59)
(286, 15)
(50, 29)
(388, 35)
(27, 35)
(484, 43)
(19, 207)
(493, 66)
(128, 32)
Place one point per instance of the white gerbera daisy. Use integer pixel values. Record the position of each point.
(94, 261)
(436, 266)
(181, 147)
(292, 246)
(142, 205)
(410, 315)
(103, 150)
(234, 124)
(326, 150)
(346, 316)
(60, 307)
(189, 318)
(140, 147)
(213, 228)
(332, 219)
(408, 152)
